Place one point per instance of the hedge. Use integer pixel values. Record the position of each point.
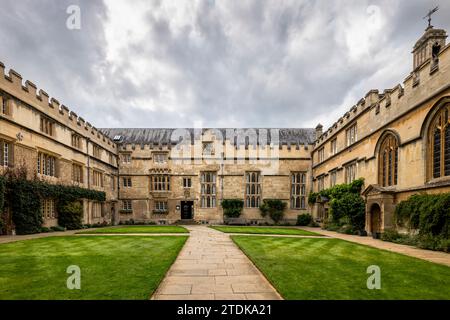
(274, 208)
(232, 208)
(25, 201)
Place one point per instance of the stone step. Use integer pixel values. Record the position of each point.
(187, 222)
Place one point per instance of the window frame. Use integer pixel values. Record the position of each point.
(351, 134)
(351, 170)
(160, 182)
(208, 189)
(388, 161)
(439, 150)
(253, 189)
(187, 185)
(298, 190)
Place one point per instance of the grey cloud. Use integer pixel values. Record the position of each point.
(234, 64)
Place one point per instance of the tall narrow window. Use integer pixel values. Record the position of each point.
(97, 151)
(47, 126)
(320, 183)
(5, 106)
(127, 182)
(208, 189)
(352, 135)
(77, 173)
(76, 141)
(48, 208)
(97, 178)
(252, 189)
(350, 172)
(46, 164)
(388, 161)
(321, 154)
(333, 178)
(333, 145)
(5, 154)
(298, 190)
(439, 141)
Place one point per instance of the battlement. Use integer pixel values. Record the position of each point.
(28, 93)
(417, 85)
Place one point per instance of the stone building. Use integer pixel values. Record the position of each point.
(55, 145)
(398, 140)
(165, 179)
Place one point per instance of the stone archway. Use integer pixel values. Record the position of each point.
(375, 219)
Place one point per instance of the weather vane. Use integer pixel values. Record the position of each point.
(429, 16)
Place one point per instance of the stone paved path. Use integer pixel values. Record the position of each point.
(433, 256)
(210, 266)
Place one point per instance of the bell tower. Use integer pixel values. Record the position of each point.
(430, 44)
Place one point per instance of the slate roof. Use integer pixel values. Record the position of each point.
(162, 136)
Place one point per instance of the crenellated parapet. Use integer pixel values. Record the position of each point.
(27, 93)
(389, 103)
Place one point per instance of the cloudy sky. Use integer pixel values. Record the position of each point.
(213, 63)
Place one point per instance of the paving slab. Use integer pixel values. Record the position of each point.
(210, 266)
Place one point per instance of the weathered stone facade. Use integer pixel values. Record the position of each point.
(393, 146)
(274, 161)
(25, 138)
(397, 140)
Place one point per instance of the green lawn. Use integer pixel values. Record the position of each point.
(137, 229)
(119, 267)
(320, 268)
(265, 230)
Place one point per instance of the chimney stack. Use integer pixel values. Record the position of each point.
(318, 131)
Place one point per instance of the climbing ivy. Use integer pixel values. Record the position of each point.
(25, 198)
(346, 204)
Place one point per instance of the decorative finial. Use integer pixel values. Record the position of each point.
(429, 17)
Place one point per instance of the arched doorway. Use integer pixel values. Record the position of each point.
(375, 219)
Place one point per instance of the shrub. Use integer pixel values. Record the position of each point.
(45, 229)
(232, 208)
(70, 215)
(349, 206)
(390, 235)
(313, 224)
(304, 219)
(347, 229)
(274, 208)
(58, 228)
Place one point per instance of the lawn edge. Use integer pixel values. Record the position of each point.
(256, 266)
(150, 295)
(312, 234)
(96, 231)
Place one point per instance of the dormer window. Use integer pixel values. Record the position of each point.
(208, 148)
(160, 158)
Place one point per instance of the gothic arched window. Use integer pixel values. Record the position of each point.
(388, 161)
(439, 138)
